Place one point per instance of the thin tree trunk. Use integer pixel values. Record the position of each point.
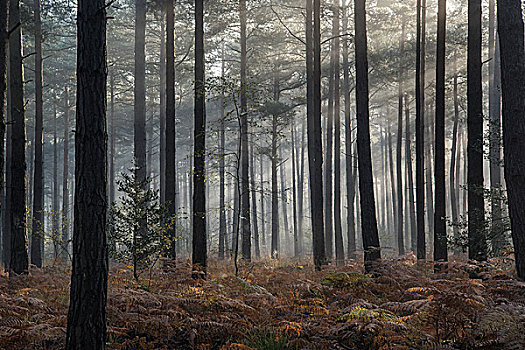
(19, 255)
(245, 179)
(55, 231)
(37, 236)
(453, 151)
(254, 205)
(440, 232)
(366, 181)
(65, 181)
(222, 140)
(400, 217)
(476, 201)
(112, 140)
(86, 326)
(410, 176)
(199, 256)
(315, 154)
(3, 90)
(300, 190)
(263, 212)
(296, 250)
(392, 181)
(163, 102)
(169, 137)
(275, 248)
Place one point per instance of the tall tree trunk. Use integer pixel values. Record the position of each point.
(222, 140)
(476, 202)
(511, 33)
(389, 206)
(315, 155)
(19, 257)
(399, 176)
(254, 204)
(169, 137)
(275, 247)
(263, 212)
(296, 249)
(420, 134)
(366, 181)
(338, 230)
(139, 143)
(163, 103)
(37, 236)
(6, 227)
(440, 229)
(429, 180)
(55, 231)
(65, 181)
(453, 151)
(3, 90)
(392, 180)
(410, 176)
(86, 328)
(199, 176)
(300, 190)
(284, 198)
(112, 137)
(245, 179)
(497, 234)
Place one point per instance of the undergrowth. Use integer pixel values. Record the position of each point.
(280, 306)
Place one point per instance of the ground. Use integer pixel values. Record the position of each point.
(285, 305)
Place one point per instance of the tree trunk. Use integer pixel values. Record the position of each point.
(453, 151)
(254, 204)
(366, 181)
(86, 328)
(284, 199)
(222, 140)
(393, 181)
(263, 212)
(245, 179)
(112, 136)
(300, 190)
(163, 102)
(37, 235)
(275, 248)
(338, 230)
(315, 155)
(199, 259)
(440, 230)
(476, 205)
(19, 257)
(55, 212)
(139, 143)
(410, 175)
(169, 137)
(511, 33)
(65, 181)
(420, 133)
(3, 89)
(296, 249)
(497, 233)
(399, 176)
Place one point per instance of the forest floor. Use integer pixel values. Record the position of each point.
(282, 305)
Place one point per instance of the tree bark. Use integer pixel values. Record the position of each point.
(86, 328)
(112, 133)
(440, 230)
(366, 182)
(315, 155)
(399, 176)
(511, 33)
(410, 176)
(476, 202)
(169, 138)
(296, 249)
(253, 193)
(19, 256)
(420, 134)
(453, 151)
(222, 141)
(275, 247)
(162, 97)
(37, 235)
(65, 181)
(3, 90)
(245, 179)
(55, 231)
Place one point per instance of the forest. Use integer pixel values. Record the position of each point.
(262, 174)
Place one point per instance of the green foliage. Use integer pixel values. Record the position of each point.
(138, 225)
(344, 280)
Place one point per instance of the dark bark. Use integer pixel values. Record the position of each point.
(300, 189)
(476, 202)
(440, 230)
(37, 234)
(366, 181)
(3, 90)
(511, 33)
(86, 328)
(410, 176)
(420, 136)
(139, 142)
(453, 159)
(253, 193)
(162, 100)
(315, 155)
(19, 256)
(497, 234)
(222, 140)
(65, 181)
(399, 153)
(112, 137)
(169, 138)
(338, 230)
(199, 256)
(275, 247)
(392, 181)
(245, 179)
(55, 231)
(284, 199)
(263, 212)
(296, 249)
